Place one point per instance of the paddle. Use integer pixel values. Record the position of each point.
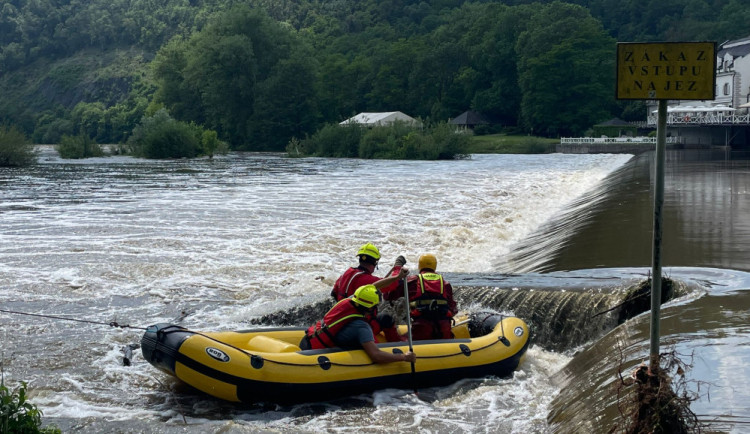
(408, 334)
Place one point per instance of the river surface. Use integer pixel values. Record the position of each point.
(215, 244)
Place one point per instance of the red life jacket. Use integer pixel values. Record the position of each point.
(430, 301)
(322, 333)
(343, 287)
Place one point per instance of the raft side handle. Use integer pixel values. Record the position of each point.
(502, 337)
(256, 361)
(324, 363)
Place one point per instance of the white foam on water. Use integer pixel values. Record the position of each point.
(218, 242)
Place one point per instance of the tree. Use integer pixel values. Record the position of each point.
(80, 146)
(565, 66)
(222, 71)
(173, 91)
(89, 119)
(161, 136)
(733, 19)
(337, 102)
(15, 149)
(285, 104)
(229, 75)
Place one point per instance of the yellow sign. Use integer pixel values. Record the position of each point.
(666, 70)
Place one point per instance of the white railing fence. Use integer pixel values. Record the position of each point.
(615, 140)
(709, 118)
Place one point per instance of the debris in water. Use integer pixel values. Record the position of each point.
(127, 352)
(652, 401)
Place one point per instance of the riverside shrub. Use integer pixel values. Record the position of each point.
(15, 149)
(210, 144)
(161, 136)
(333, 140)
(17, 414)
(448, 143)
(395, 141)
(80, 146)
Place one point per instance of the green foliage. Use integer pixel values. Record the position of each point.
(80, 146)
(15, 149)
(244, 75)
(101, 94)
(161, 136)
(566, 71)
(51, 126)
(333, 140)
(448, 143)
(391, 141)
(396, 141)
(210, 144)
(17, 414)
(89, 118)
(632, 110)
(259, 72)
(613, 130)
(511, 144)
(293, 148)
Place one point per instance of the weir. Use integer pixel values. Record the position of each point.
(559, 320)
(564, 310)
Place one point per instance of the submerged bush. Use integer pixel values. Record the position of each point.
(15, 149)
(80, 146)
(161, 136)
(210, 144)
(17, 414)
(333, 140)
(449, 143)
(395, 141)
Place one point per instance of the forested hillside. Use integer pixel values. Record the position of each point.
(262, 71)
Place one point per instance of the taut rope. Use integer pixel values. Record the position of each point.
(111, 324)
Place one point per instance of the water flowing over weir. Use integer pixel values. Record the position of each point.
(559, 320)
(564, 310)
(705, 210)
(258, 238)
(705, 219)
(541, 250)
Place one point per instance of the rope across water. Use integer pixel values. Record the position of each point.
(123, 326)
(111, 323)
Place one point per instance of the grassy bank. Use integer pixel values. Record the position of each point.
(505, 144)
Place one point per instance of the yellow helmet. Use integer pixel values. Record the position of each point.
(367, 296)
(428, 260)
(369, 250)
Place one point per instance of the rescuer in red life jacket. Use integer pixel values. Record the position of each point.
(431, 302)
(347, 326)
(361, 275)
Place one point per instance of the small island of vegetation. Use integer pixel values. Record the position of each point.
(395, 141)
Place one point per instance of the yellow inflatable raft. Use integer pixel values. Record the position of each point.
(267, 365)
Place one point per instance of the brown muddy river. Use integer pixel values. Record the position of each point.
(213, 244)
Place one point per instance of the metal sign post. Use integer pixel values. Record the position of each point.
(661, 145)
(663, 71)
